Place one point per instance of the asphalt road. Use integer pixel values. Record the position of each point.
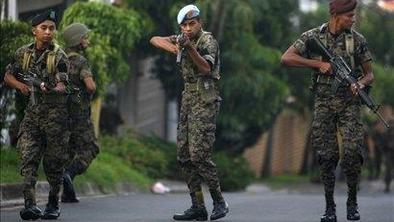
(266, 206)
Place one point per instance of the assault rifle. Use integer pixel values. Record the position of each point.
(180, 39)
(32, 80)
(342, 75)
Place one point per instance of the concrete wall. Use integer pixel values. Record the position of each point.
(142, 101)
(287, 146)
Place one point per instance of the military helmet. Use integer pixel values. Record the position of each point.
(74, 33)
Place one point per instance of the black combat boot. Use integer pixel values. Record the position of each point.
(52, 209)
(193, 213)
(197, 211)
(220, 207)
(68, 195)
(352, 212)
(330, 215)
(351, 204)
(31, 211)
(220, 210)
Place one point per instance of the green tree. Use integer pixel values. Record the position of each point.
(114, 33)
(13, 36)
(253, 94)
(377, 25)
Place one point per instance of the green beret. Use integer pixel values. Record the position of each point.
(48, 15)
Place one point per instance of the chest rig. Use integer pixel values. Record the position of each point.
(187, 65)
(349, 50)
(50, 60)
(349, 43)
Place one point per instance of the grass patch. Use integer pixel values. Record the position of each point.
(285, 180)
(9, 162)
(105, 171)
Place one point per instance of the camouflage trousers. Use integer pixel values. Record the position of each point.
(43, 135)
(334, 114)
(195, 139)
(83, 145)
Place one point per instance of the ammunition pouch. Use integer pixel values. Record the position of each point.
(207, 88)
(191, 87)
(51, 99)
(325, 79)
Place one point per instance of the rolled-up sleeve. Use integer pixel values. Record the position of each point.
(209, 50)
(362, 52)
(300, 44)
(85, 70)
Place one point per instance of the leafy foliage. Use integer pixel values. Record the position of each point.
(140, 156)
(13, 36)
(375, 24)
(114, 32)
(234, 172)
(252, 90)
(383, 90)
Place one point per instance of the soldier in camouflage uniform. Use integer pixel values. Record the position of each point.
(83, 145)
(199, 63)
(338, 112)
(43, 133)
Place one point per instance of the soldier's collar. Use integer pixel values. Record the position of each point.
(198, 35)
(324, 29)
(50, 47)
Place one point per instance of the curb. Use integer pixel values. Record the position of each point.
(11, 195)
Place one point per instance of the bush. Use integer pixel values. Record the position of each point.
(140, 156)
(107, 170)
(169, 150)
(234, 172)
(13, 36)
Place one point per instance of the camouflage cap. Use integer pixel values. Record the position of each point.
(48, 15)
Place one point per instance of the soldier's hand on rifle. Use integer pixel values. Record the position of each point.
(356, 87)
(43, 88)
(24, 89)
(184, 41)
(60, 87)
(325, 68)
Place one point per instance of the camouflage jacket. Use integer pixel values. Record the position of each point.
(337, 44)
(38, 65)
(207, 86)
(208, 48)
(79, 70)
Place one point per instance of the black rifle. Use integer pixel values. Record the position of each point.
(342, 74)
(32, 80)
(180, 39)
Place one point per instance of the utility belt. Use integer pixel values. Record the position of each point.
(80, 114)
(51, 98)
(324, 79)
(206, 87)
